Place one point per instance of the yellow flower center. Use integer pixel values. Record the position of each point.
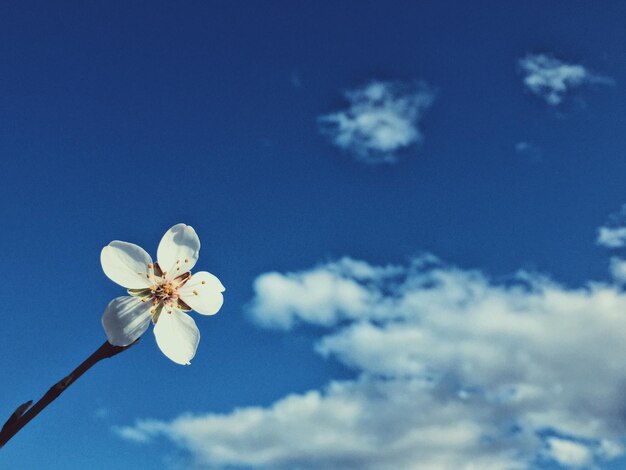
(163, 294)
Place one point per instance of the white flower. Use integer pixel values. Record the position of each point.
(161, 292)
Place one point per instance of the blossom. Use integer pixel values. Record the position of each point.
(160, 292)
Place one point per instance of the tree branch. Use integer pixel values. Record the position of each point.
(24, 413)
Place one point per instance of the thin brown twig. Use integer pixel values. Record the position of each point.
(24, 413)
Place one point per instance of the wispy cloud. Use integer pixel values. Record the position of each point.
(528, 150)
(551, 79)
(296, 80)
(454, 370)
(101, 413)
(381, 120)
(613, 233)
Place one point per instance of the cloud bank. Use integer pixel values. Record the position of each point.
(551, 79)
(382, 119)
(452, 370)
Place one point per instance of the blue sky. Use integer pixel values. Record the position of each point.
(404, 200)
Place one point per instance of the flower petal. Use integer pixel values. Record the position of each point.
(177, 336)
(125, 319)
(126, 264)
(178, 250)
(203, 293)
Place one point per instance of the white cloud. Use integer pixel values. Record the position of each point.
(618, 270)
(381, 120)
(610, 449)
(320, 295)
(613, 233)
(550, 78)
(141, 432)
(363, 424)
(454, 370)
(569, 453)
(612, 237)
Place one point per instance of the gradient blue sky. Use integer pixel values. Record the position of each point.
(120, 119)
